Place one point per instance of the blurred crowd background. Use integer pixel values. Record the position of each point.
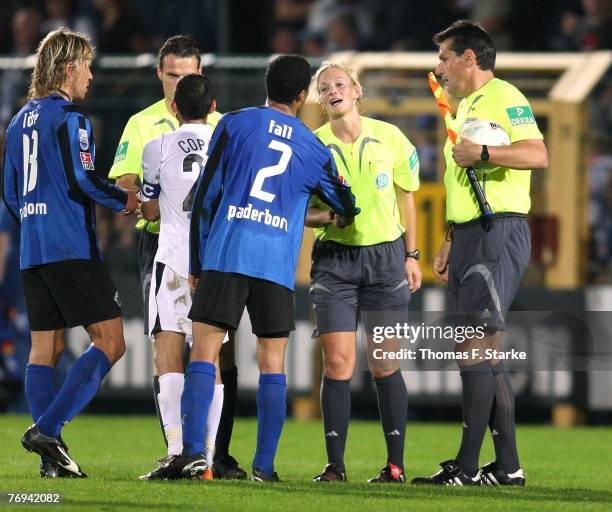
(311, 27)
(314, 28)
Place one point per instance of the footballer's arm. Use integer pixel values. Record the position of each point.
(318, 218)
(524, 154)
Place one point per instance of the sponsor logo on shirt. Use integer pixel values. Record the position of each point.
(382, 180)
(32, 209)
(414, 162)
(87, 161)
(83, 139)
(121, 152)
(520, 115)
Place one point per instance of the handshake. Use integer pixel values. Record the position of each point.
(339, 221)
(318, 218)
(133, 202)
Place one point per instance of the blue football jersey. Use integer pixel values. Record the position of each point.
(251, 198)
(49, 182)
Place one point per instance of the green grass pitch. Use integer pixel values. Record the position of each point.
(565, 469)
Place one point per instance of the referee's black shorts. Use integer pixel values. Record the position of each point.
(486, 266)
(221, 297)
(69, 293)
(353, 282)
(147, 248)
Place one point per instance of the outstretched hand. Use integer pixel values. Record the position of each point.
(133, 202)
(341, 222)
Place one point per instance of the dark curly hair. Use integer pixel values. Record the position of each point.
(286, 77)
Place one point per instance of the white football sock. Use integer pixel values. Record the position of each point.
(212, 423)
(170, 392)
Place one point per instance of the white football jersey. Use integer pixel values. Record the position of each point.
(171, 165)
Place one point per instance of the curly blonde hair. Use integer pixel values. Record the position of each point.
(58, 48)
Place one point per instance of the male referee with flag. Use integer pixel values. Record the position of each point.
(483, 261)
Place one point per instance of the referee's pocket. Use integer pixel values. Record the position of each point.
(495, 240)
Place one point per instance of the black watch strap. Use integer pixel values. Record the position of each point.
(416, 254)
(484, 155)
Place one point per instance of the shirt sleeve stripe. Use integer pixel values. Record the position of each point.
(74, 192)
(209, 171)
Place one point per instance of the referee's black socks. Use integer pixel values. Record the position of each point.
(229, 377)
(157, 409)
(501, 421)
(336, 410)
(393, 408)
(478, 393)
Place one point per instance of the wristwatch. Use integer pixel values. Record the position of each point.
(416, 254)
(484, 156)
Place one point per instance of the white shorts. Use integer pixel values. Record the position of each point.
(169, 303)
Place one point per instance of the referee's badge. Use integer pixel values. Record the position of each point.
(382, 180)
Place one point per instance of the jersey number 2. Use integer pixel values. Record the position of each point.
(188, 161)
(30, 162)
(273, 170)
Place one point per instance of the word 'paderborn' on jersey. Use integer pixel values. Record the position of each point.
(171, 165)
(249, 212)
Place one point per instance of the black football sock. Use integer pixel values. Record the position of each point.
(157, 411)
(501, 421)
(229, 377)
(336, 410)
(393, 408)
(478, 393)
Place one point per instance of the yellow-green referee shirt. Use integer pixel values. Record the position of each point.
(507, 190)
(142, 127)
(380, 158)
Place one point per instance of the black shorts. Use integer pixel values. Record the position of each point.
(69, 293)
(352, 281)
(221, 297)
(147, 248)
(486, 267)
